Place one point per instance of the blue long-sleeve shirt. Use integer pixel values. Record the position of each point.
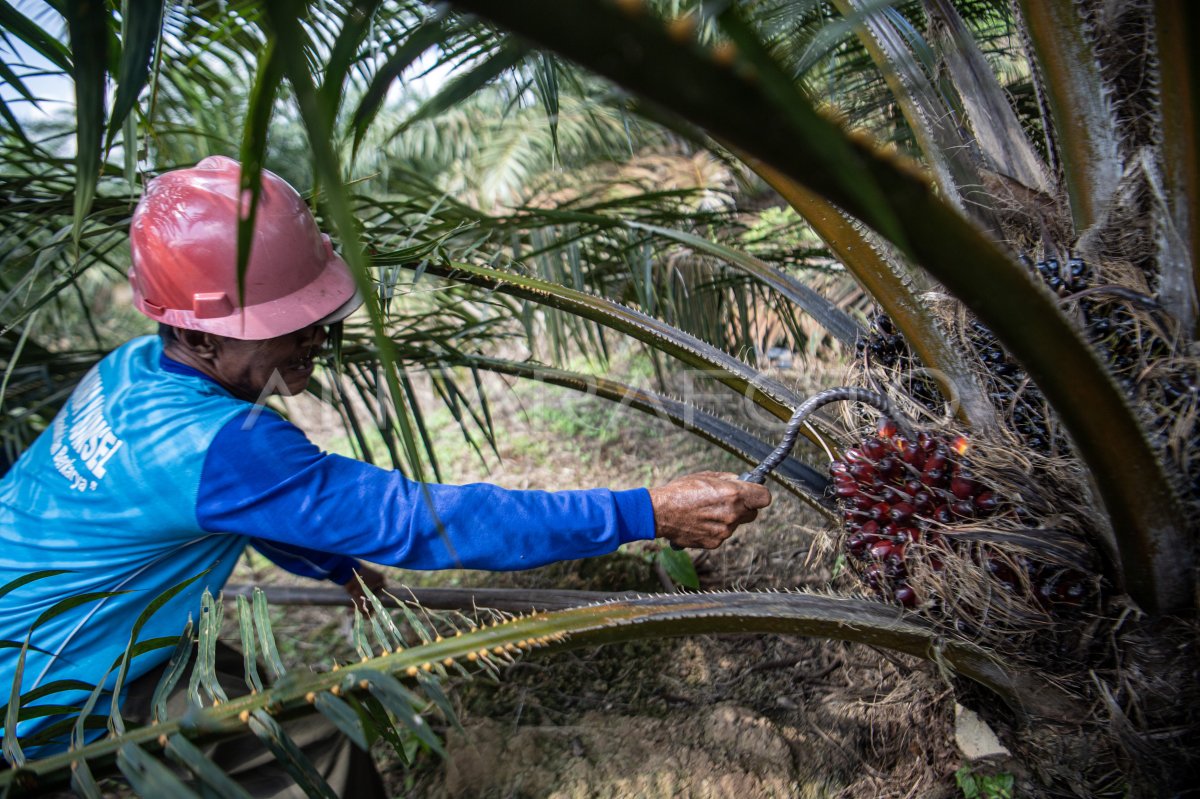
(153, 474)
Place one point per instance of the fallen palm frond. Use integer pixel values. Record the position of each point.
(376, 680)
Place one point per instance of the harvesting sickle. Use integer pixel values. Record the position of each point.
(758, 475)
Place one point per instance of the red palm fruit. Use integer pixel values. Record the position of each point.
(851, 516)
(963, 507)
(881, 550)
(986, 502)
(922, 501)
(845, 490)
(962, 487)
(909, 534)
(942, 514)
(887, 428)
(936, 460)
(889, 466)
(933, 477)
(864, 472)
(891, 530)
(838, 468)
(862, 502)
(1002, 572)
(906, 596)
(913, 486)
(893, 564)
(925, 441)
(856, 545)
(910, 453)
(854, 455)
(871, 528)
(873, 448)
(879, 511)
(900, 512)
(892, 495)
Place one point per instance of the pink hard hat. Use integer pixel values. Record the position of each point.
(183, 240)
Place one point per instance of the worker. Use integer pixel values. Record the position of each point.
(163, 465)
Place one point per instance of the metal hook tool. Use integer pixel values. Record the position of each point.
(841, 394)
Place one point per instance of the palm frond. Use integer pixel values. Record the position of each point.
(404, 681)
(1082, 107)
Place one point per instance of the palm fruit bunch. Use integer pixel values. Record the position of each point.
(1019, 400)
(883, 344)
(900, 499)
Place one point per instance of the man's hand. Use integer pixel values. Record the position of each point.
(374, 580)
(703, 509)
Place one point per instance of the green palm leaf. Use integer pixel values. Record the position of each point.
(88, 26)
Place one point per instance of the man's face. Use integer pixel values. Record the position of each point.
(254, 370)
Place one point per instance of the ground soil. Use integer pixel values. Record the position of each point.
(715, 716)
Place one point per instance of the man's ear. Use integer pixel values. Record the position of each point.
(201, 344)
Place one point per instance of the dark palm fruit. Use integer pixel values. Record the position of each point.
(856, 545)
(986, 501)
(881, 550)
(863, 502)
(874, 449)
(863, 472)
(943, 515)
(879, 512)
(963, 488)
(933, 477)
(837, 468)
(922, 501)
(893, 563)
(889, 466)
(1002, 572)
(913, 487)
(963, 507)
(901, 512)
(906, 596)
(846, 490)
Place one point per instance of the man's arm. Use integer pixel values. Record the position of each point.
(267, 481)
(307, 562)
